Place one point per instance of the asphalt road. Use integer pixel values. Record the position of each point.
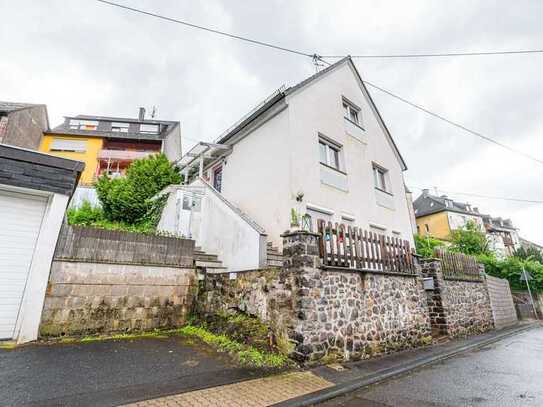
(110, 373)
(508, 373)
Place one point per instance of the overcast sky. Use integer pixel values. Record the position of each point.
(84, 57)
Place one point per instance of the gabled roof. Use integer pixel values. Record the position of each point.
(281, 93)
(427, 204)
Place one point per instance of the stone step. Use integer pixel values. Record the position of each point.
(209, 264)
(206, 257)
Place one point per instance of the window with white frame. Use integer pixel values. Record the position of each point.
(120, 127)
(329, 153)
(73, 146)
(380, 178)
(149, 128)
(76, 124)
(351, 111)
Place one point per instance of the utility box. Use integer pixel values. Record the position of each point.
(428, 283)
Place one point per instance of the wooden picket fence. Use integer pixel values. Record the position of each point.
(353, 248)
(458, 266)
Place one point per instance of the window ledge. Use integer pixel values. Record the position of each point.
(354, 123)
(382, 190)
(332, 168)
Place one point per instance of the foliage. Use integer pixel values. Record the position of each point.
(246, 355)
(426, 245)
(529, 253)
(93, 216)
(511, 269)
(469, 240)
(241, 328)
(85, 215)
(129, 199)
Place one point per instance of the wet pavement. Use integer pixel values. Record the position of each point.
(506, 373)
(110, 373)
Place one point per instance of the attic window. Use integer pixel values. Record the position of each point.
(351, 112)
(76, 124)
(149, 128)
(119, 127)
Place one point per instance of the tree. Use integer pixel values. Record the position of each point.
(469, 240)
(128, 199)
(529, 253)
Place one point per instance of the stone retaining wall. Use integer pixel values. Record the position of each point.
(457, 307)
(501, 302)
(319, 314)
(89, 298)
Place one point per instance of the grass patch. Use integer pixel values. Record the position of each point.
(8, 345)
(246, 355)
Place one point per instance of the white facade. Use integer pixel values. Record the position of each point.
(279, 160)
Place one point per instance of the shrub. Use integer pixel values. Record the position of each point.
(469, 240)
(85, 215)
(426, 245)
(128, 199)
(511, 269)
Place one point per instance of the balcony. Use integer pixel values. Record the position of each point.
(123, 155)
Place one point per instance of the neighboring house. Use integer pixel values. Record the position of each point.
(107, 145)
(34, 192)
(530, 245)
(23, 124)
(438, 216)
(502, 236)
(320, 147)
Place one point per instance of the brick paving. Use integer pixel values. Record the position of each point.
(251, 393)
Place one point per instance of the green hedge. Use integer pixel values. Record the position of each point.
(511, 269)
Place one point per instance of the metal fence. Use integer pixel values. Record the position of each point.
(350, 247)
(110, 246)
(458, 266)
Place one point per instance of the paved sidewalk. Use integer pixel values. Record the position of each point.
(259, 392)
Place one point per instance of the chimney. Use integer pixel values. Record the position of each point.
(476, 210)
(444, 196)
(425, 192)
(141, 115)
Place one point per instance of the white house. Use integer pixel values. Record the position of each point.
(320, 147)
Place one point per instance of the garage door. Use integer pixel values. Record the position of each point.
(20, 220)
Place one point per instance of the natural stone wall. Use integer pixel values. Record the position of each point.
(353, 315)
(88, 298)
(269, 294)
(457, 307)
(319, 314)
(501, 302)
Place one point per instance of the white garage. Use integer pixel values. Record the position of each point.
(22, 216)
(34, 192)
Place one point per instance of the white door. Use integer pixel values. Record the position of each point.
(21, 216)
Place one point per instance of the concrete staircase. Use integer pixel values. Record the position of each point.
(209, 262)
(274, 258)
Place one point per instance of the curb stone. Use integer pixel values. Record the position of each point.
(356, 384)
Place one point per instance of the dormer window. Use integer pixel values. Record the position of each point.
(351, 111)
(119, 127)
(149, 128)
(76, 124)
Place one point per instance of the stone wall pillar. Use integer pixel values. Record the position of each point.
(438, 318)
(301, 258)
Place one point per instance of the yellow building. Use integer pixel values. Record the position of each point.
(438, 216)
(108, 145)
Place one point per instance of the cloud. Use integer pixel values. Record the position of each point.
(86, 57)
